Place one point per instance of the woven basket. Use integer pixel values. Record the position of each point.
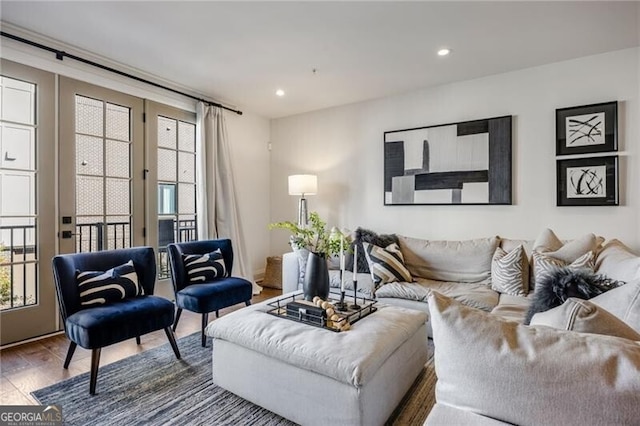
(273, 272)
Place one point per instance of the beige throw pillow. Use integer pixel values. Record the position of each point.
(548, 243)
(455, 261)
(585, 317)
(532, 375)
(623, 302)
(510, 271)
(618, 262)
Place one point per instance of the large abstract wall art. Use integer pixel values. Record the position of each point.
(461, 163)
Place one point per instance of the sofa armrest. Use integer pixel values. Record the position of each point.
(290, 273)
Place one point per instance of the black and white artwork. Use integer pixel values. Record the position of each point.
(587, 129)
(461, 163)
(588, 181)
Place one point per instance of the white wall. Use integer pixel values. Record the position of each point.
(248, 137)
(343, 146)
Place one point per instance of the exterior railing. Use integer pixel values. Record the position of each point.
(182, 231)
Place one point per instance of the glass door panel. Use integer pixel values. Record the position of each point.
(101, 148)
(27, 296)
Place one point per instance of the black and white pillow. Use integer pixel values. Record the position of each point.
(510, 271)
(205, 267)
(100, 287)
(386, 264)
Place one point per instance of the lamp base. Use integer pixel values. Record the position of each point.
(303, 217)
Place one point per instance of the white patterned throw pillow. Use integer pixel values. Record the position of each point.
(510, 271)
(100, 287)
(544, 265)
(386, 264)
(205, 267)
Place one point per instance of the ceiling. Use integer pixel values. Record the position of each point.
(241, 52)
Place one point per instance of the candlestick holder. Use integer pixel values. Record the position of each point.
(355, 295)
(341, 305)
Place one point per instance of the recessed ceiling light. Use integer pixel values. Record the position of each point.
(280, 92)
(444, 52)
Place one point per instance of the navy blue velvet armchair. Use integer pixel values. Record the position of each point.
(94, 322)
(204, 294)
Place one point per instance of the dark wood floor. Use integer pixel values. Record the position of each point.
(34, 365)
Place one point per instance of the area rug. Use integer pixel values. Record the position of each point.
(153, 388)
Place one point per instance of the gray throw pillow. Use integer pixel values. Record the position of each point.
(532, 375)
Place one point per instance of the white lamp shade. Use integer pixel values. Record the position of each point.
(303, 184)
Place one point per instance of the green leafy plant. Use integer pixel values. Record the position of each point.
(315, 237)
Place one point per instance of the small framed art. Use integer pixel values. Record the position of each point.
(587, 129)
(588, 181)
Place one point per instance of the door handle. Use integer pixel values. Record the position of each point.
(67, 234)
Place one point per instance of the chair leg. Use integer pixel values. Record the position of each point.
(205, 321)
(217, 314)
(172, 340)
(70, 351)
(175, 323)
(137, 340)
(95, 362)
(248, 302)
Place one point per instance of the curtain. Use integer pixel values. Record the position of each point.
(216, 199)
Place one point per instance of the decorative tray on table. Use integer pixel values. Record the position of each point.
(295, 308)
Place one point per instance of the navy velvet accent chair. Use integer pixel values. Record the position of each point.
(208, 296)
(96, 326)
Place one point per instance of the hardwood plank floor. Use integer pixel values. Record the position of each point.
(31, 366)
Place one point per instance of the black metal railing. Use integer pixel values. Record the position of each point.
(17, 260)
(170, 231)
(102, 236)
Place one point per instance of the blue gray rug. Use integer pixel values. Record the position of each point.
(153, 388)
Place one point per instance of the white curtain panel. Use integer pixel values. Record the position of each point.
(216, 198)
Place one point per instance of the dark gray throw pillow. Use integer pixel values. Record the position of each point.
(367, 236)
(561, 283)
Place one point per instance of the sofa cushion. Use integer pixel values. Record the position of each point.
(366, 285)
(623, 302)
(477, 296)
(386, 264)
(617, 261)
(513, 308)
(454, 261)
(532, 375)
(444, 415)
(585, 317)
(510, 271)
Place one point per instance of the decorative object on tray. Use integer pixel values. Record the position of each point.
(321, 313)
(588, 181)
(587, 129)
(321, 244)
(458, 163)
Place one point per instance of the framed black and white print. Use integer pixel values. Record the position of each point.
(588, 181)
(459, 163)
(587, 129)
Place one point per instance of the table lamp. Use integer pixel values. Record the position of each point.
(303, 185)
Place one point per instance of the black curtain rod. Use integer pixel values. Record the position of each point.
(60, 55)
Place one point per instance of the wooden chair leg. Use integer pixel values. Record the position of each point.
(137, 340)
(70, 351)
(205, 321)
(175, 323)
(95, 363)
(248, 302)
(172, 341)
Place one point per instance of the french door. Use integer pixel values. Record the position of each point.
(101, 174)
(27, 198)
